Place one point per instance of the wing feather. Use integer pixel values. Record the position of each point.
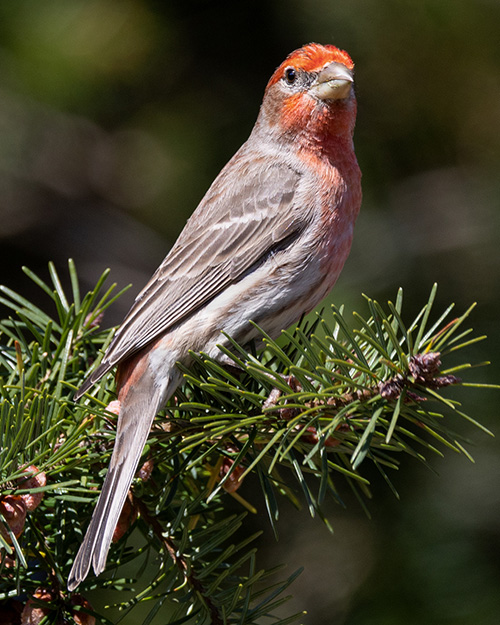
(216, 247)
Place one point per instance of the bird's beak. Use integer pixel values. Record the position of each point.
(334, 82)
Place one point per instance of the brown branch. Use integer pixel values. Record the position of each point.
(423, 372)
(178, 559)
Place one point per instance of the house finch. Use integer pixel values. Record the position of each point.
(266, 243)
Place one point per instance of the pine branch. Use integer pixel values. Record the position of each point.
(304, 414)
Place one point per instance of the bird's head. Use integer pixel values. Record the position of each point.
(311, 95)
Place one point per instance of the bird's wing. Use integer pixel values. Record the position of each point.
(218, 245)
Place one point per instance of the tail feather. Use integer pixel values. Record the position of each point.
(137, 411)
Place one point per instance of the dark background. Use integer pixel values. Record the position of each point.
(115, 116)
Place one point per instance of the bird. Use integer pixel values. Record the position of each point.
(266, 244)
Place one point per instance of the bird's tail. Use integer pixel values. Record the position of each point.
(140, 400)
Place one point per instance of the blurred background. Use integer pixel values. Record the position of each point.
(116, 115)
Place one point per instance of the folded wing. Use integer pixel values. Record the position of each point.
(231, 231)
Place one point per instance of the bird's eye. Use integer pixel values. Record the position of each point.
(290, 75)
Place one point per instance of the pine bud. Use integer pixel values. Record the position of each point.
(38, 479)
(13, 510)
(80, 617)
(128, 515)
(33, 613)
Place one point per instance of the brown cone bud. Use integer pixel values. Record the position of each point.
(80, 617)
(8, 562)
(145, 471)
(128, 516)
(13, 510)
(233, 482)
(311, 436)
(33, 613)
(38, 479)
